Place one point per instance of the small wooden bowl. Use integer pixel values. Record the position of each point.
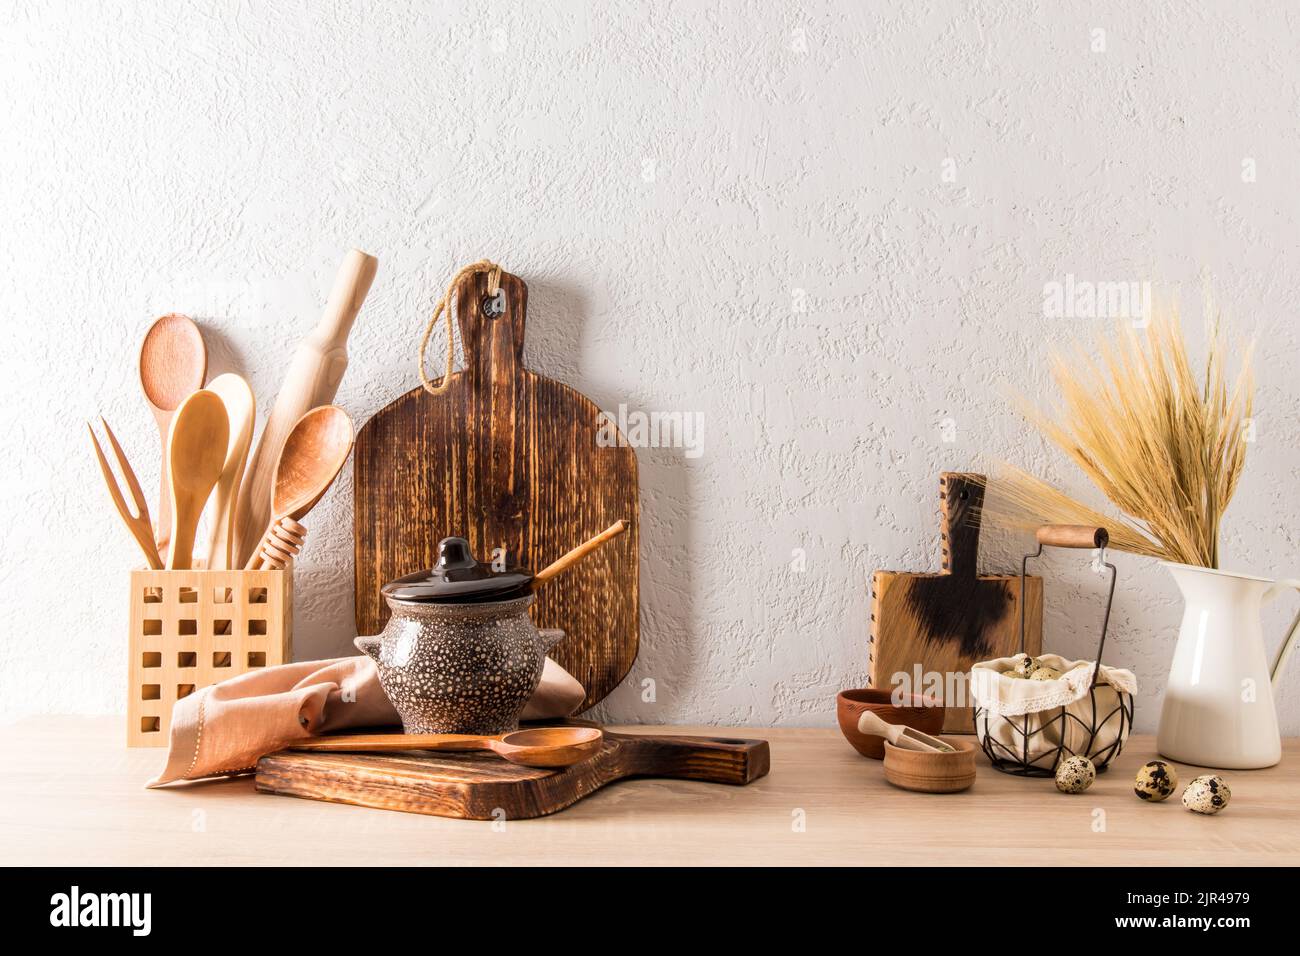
(927, 772)
(926, 716)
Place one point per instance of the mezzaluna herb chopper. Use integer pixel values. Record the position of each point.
(460, 654)
(1027, 733)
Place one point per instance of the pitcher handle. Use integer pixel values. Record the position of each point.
(1288, 642)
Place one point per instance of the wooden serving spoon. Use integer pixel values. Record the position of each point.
(173, 365)
(241, 409)
(196, 454)
(537, 747)
(314, 453)
(899, 735)
(562, 564)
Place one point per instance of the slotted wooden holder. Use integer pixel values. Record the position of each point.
(190, 629)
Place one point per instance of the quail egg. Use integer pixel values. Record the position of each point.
(1023, 667)
(1156, 781)
(1208, 794)
(1045, 673)
(1075, 774)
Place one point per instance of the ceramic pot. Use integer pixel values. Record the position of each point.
(460, 668)
(926, 715)
(1218, 707)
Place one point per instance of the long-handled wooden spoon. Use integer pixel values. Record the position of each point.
(173, 365)
(196, 454)
(536, 747)
(314, 453)
(562, 564)
(241, 408)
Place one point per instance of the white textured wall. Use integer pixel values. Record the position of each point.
(665, 178)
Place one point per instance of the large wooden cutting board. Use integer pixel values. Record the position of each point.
(946, 622)
(508, 459)
(485, 787)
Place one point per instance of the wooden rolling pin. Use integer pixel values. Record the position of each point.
(312, 380)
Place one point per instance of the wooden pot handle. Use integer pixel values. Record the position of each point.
(1084, 536)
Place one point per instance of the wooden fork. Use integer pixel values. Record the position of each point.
(138, 524)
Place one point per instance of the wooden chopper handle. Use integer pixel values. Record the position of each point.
(556, 568)
(1083, 536)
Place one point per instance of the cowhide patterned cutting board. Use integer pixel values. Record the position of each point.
(944, 622)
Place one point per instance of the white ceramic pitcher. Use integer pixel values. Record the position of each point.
(1218, 709)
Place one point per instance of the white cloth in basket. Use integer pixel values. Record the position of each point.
(1038, 703)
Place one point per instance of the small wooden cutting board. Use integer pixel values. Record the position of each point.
(485, 787)
(945, 622)
(510, 460)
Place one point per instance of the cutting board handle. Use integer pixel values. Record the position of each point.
(493, 341)
(711, 759)
(961, 496)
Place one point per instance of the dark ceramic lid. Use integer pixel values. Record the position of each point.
(458, 578)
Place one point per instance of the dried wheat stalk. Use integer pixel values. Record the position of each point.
(1166, 450)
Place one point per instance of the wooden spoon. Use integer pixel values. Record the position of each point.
(241, 409)
(537, 747)
(314, 453)
(173, 365)
(196, 454)
(899, 735)
(562, 564)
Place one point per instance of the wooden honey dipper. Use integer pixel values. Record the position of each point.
(281, 543)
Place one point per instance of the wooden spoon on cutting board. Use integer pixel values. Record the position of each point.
(549, 747)
(196, 454)
(314, 453)
(173, 365)
(241, 409)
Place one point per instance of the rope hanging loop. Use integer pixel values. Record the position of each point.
(493, 272)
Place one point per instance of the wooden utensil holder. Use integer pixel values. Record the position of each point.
(190, 629)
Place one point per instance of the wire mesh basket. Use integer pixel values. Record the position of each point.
(1095, 725)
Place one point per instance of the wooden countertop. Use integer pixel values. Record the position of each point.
(71, 793)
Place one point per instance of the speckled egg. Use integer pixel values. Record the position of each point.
(1045, 673)
(1075, 774)
(1156, 781)
(1023, 667)
(1208, 794)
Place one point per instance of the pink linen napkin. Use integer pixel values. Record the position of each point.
(223, 729)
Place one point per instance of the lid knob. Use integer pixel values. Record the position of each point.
(453, 554)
